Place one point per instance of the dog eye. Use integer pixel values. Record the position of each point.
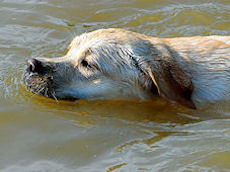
(84, 63)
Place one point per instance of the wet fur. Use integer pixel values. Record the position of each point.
(128, 65)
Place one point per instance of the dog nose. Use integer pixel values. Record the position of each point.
(34, 65)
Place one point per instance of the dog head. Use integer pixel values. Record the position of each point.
(110, 64)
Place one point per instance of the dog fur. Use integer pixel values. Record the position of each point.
(120, 64)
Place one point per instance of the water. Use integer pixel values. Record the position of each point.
(39, 134)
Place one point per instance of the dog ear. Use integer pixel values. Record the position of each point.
(172, 83)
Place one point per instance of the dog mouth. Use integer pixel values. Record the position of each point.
(44, 85)
(39, 84)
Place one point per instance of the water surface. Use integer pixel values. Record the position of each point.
(39, 134)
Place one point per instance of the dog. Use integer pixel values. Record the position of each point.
(121, 64)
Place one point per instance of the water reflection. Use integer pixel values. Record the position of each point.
(42, 134)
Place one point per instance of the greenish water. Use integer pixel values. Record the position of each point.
(39, 134)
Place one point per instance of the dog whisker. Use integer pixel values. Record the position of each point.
(55, 98)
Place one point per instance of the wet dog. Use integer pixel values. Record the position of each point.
(120, 64)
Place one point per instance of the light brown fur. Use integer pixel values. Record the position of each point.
(116, 63)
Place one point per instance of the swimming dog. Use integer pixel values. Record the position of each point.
(121, 64)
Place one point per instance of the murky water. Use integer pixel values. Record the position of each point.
(39, 134)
